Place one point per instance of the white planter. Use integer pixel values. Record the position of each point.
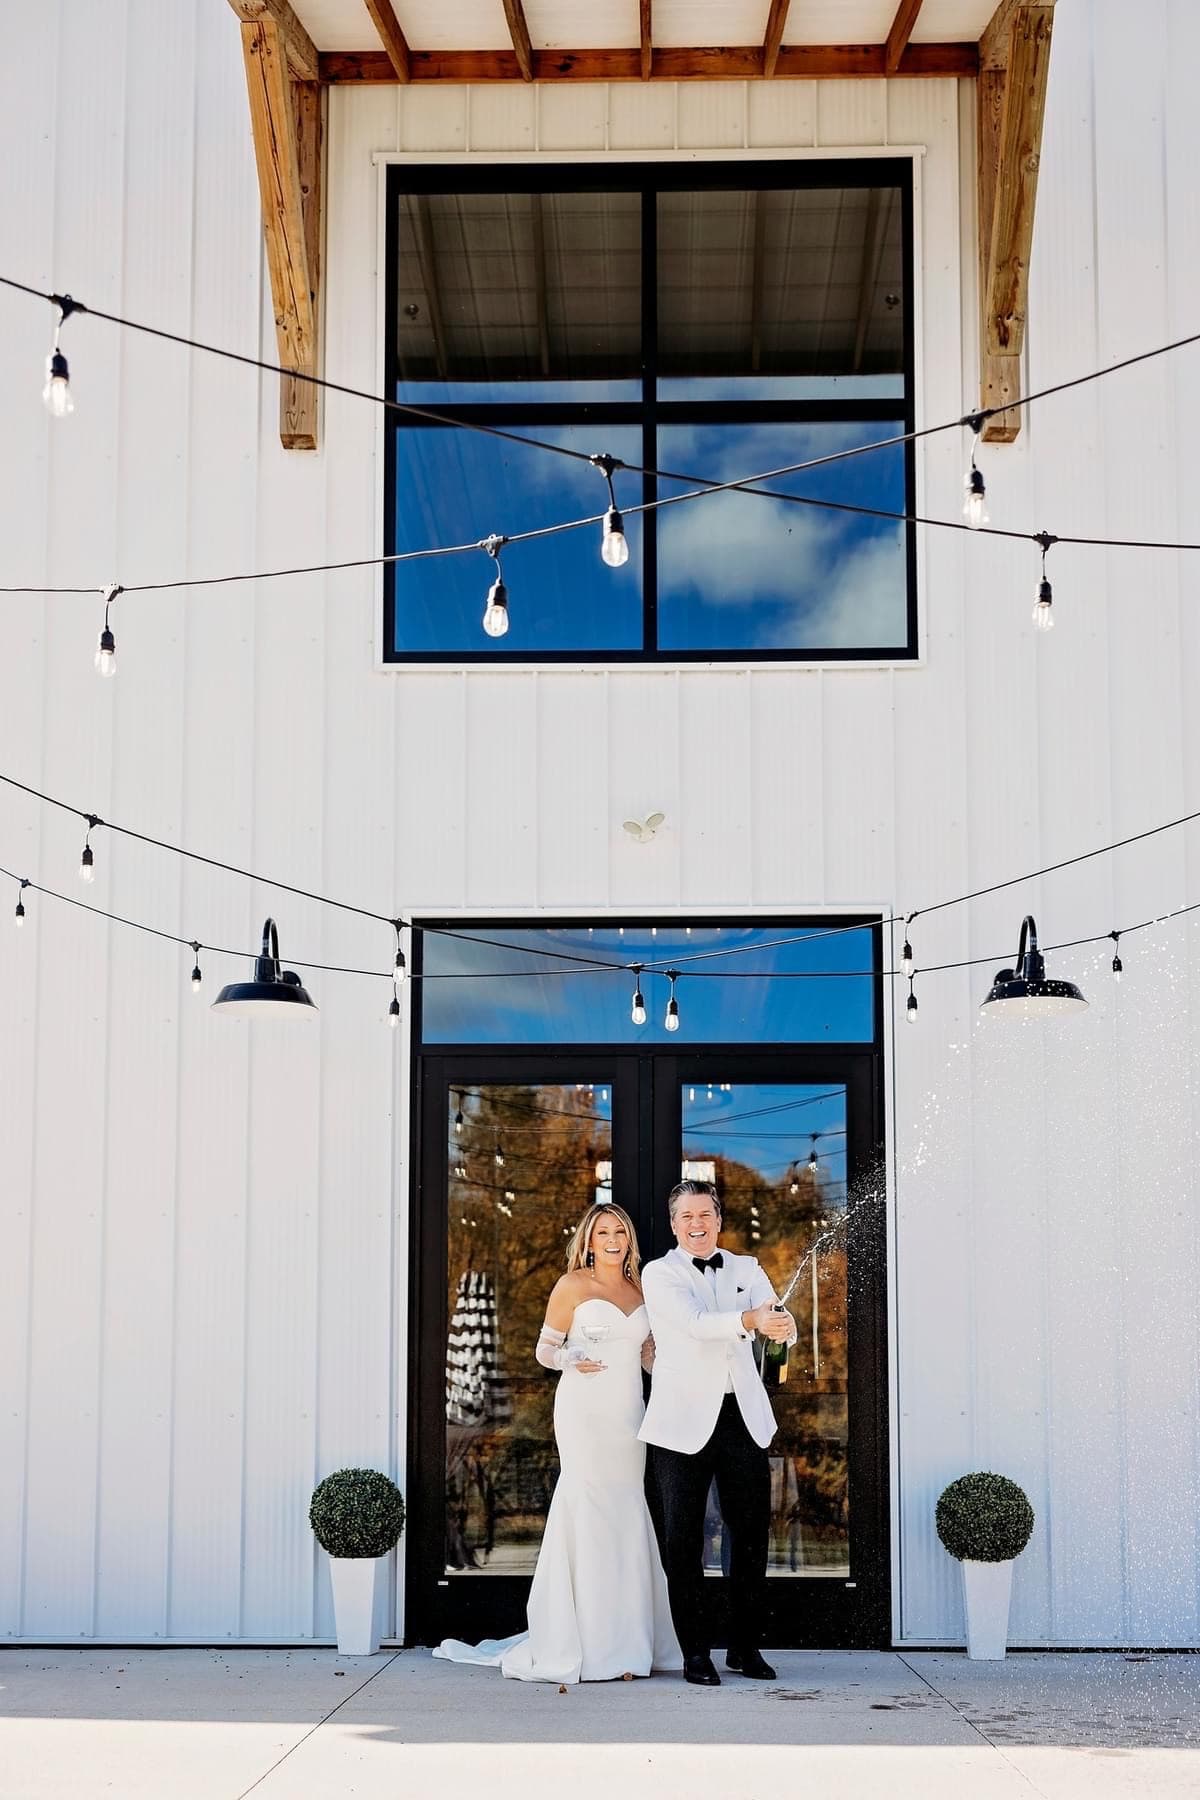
(357, 1588)
(987, 1588)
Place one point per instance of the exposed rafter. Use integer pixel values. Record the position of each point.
(302, 54)
(1012, 102)
(898, 36)
(383, 17)
(646, 47)
(518, 31)
(773, 36)
(285, 121)
(796, 62)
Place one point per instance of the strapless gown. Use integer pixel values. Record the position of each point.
(598, 1604)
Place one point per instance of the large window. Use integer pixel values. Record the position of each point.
(704, 322)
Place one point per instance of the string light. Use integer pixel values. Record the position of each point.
(458, 1119)
(498, 1158)
(56, 395)
(613, 546)
(672, 1019)
(19, 914)
(794, 1184)
(400, 970)
(495, 611)
(975, 510)
(106, 650)
(906, 955)
(638, 1010)
(1043, 616)
(87, 861)
(197, 977)
(812, 1156)
(910, 1006)
(1118, 966)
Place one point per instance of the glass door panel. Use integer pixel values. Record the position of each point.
(525, 1160)
(777, 1152)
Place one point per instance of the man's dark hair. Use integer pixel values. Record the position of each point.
(694, 1187)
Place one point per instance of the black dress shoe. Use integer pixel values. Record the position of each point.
(749, 1663)
(700, 1670)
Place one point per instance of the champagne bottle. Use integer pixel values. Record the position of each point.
(775, 1359)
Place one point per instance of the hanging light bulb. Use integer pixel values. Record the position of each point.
(394, 1011)
(56, 395)
(19, 914)
(197, 977)
(498, 1159)
(1118, 966)
(1043, 615)
(613, 546)
(87, 861)
(812, 1156)
(400, 969)
(495, 611)
(672, 1019)
(638, 1012)
(906, 955)
(910, 1005)
(794, 1184)
(105, 658)
(458, 1119)
(975, 510)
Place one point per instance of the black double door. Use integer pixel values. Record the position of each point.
(512, 1149)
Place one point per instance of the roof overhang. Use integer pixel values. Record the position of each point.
(293, 53)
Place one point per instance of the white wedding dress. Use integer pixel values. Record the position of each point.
(598, 1604)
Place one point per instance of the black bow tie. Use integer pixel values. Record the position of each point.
(715, 1261)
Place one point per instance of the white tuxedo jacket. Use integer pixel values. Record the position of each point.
(699, 1339)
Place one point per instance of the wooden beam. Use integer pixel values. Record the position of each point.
(898, 36)
(1012, 104)
(383, 17)
(302, 54)
(773, 36)
(277, 122)
(994, 39)
(797, 62)
(646, 47)
(518, 31)
(300, 401)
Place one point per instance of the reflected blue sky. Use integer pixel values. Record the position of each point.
(453, 487)
(558, 1003)
(736, 572)
(769, 1127)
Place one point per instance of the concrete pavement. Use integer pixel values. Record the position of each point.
(310, 1725)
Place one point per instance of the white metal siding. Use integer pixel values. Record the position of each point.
(202, 1276)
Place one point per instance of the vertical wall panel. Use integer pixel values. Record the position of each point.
(781, 114)
(712, 115)
(502, 116)
(644, 777)
(641, 115)
(501, 788)
(716, 848)
(786, 784)
(572, 116)
(572, 790)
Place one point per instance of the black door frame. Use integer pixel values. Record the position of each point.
(837, 1614)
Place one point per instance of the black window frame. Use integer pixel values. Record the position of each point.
(650, 412)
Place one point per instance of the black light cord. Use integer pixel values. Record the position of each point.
(700, 487)
(584, 963)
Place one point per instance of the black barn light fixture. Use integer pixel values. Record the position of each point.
(1026, 991)
(275, 992)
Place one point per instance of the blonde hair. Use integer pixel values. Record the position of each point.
(580, 1247)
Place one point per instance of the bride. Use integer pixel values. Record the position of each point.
(598, 1604)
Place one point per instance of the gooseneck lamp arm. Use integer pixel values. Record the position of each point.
(266, 967)
(1030, 961)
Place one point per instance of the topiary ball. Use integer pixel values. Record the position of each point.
(984, 1518)
(357, 1512)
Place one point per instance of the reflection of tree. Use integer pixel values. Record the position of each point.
(509, 1221)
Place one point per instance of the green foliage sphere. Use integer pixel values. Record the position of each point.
(984, 1518)
(357, 1512)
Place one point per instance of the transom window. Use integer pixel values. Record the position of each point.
(705, 322)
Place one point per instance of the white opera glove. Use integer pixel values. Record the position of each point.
(553, 1351)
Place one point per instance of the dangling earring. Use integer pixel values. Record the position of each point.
(590, 1259)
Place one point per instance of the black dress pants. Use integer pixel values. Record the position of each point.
(743, 1477)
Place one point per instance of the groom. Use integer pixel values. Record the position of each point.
(709, 1416)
